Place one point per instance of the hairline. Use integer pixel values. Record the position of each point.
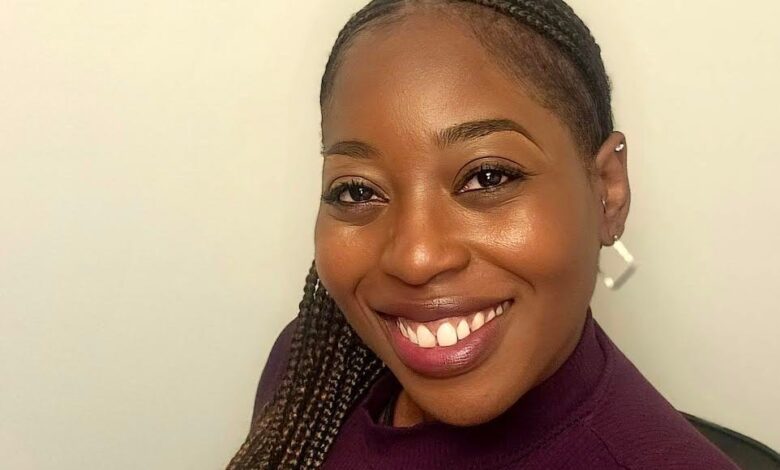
(476, 20)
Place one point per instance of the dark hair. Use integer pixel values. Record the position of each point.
(546, 45)
(543, 43)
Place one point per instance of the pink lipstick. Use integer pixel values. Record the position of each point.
(444, 339)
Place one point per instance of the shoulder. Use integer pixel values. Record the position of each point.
(642, 430)
(275, 366)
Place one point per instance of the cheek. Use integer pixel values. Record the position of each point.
(345, 256)
(342, 256)
(551, 236)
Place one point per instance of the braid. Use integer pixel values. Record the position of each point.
(557, 22)
(329, 367)
(561, 58)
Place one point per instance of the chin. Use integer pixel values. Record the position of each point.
(466, 411)
(472, 418)
(466, 400)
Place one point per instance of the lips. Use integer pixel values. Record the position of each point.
(441, 307)
(448, 331)
(446, 341)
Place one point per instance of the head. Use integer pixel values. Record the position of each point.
(468, 146)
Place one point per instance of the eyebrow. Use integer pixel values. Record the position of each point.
(445, 138)
(351, 148)
(475, 129)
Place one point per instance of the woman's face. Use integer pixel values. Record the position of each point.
(460, 208)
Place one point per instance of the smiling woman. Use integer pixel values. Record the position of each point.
(471, 176)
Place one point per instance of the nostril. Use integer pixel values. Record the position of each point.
(420, 263)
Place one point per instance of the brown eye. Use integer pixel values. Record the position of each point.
(355, 193)
(487, 176)
(490, 178)
(352, 193)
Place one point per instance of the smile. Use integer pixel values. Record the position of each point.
(446, 342)
(448, 331)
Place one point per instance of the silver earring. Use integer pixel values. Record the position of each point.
(620, 265)
(620, 147)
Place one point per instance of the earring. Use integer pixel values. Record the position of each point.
(620, 147)
(619, 261)
(621, 266)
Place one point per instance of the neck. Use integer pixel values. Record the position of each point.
(407, 413)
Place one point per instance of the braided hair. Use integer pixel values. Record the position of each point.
(548, 47)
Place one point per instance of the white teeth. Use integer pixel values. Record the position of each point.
(412, 336)
(491, 315)
(463, 329)
(403, 329)
(425, 337)
(477, 322)
(446, 335)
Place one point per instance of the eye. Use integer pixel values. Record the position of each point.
(351, 193)
(488, 176)
(356, 193)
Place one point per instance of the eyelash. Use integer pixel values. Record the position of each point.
(513, 174)
(333, 196)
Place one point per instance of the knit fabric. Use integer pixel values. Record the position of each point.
(596, 412)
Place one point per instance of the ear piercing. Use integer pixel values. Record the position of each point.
(618, 264)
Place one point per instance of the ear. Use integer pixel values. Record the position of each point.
(610, 172)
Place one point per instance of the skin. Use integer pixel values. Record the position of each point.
(534, 239)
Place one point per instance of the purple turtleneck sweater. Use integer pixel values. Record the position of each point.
(596, 412)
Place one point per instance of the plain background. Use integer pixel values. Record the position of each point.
(159, 178)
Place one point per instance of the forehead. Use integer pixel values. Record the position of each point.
(426, 72)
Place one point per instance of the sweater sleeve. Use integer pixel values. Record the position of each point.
(275, 367)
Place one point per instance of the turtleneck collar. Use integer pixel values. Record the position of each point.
(548, 409)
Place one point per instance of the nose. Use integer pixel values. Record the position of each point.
(423, 243)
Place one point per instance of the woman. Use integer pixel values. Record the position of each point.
(471, 176)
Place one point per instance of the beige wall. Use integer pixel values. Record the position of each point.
(696, 90)
(159, 178)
